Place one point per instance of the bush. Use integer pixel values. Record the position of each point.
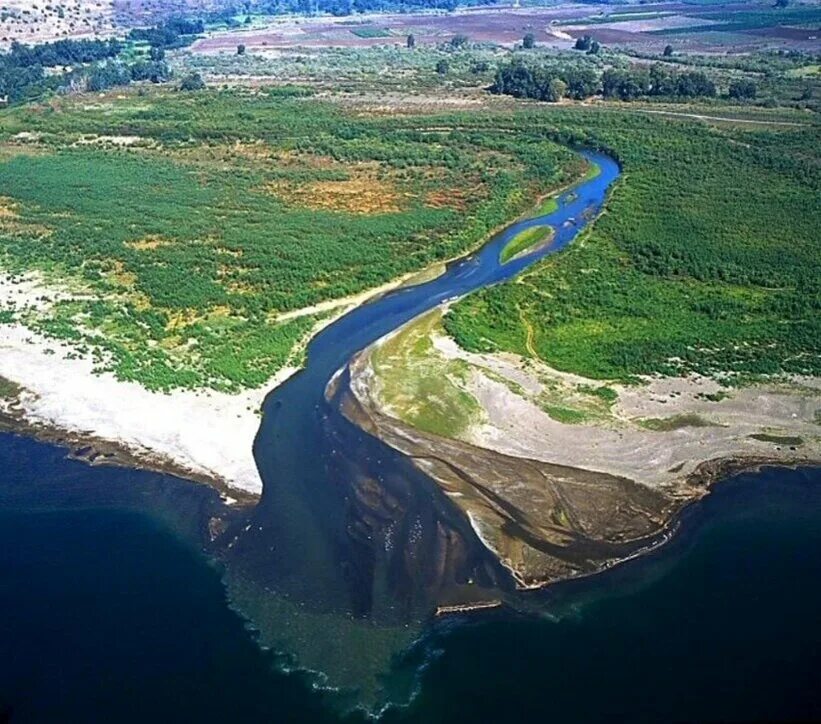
(192, 82)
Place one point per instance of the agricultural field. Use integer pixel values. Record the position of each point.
(182, 226)
(705, 261)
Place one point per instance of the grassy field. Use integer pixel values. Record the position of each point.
(524, 241)
(187, 223)
(421, 387)
(706, 259)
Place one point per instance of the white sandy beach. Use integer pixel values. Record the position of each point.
(206, 433)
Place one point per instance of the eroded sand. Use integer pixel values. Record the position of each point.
(562, 476)
(616, 443)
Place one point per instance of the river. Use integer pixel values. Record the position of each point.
(110, 611)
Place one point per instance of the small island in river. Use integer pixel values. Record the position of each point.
(435, 346)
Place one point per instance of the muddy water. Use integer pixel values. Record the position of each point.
(347, 527)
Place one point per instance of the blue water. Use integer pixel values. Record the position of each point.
(110, 612)
(300, 524)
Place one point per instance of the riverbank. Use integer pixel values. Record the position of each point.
(560, 475)
(54, 392)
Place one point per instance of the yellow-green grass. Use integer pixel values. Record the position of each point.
(525, 241)
(548, 206)
(567, 415)
(421, 387)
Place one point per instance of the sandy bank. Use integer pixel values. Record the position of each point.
(205, 433)
(560, 475)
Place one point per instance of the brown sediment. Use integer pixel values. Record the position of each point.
(544, 522)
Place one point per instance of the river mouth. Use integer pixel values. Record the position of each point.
(345, 525)
(352, 548)
(143, 628)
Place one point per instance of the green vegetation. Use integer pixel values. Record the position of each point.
(419, 386)
(676, 422)
(608, 394)
(551, 82)
(706, 260)
(189, 222)
(788, 440)
(525, 241)
(371, 31)
(546, 207)
(729, 21)
(93, 64)
(566, 415)
(8, 390)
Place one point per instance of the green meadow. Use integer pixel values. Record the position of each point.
(187, 223)
(706, 259)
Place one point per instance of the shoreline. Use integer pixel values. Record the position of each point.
(50, 392)
(58, 397)
(558, 520)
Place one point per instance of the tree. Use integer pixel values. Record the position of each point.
(781, 3)
(583, 43)
(411, 42)
(742, 89)
(459, 41)
(241, 49)
(529, 41)
(442, 67)
(594, 48)
(156, 54)
(668, 51)
(555, 90)
(192, 82)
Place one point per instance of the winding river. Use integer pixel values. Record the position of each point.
(347, 525)
(348, 553)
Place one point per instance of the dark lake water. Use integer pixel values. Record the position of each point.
(110, 614)
(109, 611)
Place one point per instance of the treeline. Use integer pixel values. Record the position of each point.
(21, 69)
(61, 52)
(342, 8)
(657, 80)
(545, 84)
(108, 75)
(552, 84)
(94, 64)
(172, 33)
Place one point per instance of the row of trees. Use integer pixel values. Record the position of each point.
(61, 52)
(108, 75)
(173, 33)
(554, 83)
(627, 84)
(546, 84)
